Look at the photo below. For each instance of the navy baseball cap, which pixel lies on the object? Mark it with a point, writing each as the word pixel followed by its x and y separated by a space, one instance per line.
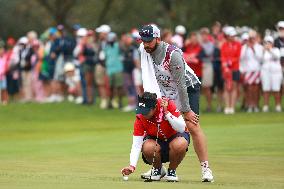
pixel 145 104
pixel 149 32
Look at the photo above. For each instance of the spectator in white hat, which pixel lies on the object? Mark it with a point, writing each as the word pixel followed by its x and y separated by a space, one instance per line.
pixel 85 54
pixel 251 55
pixel 271 74
pixel 114 69
pixel 178 38
pixel 26 67
pixel 72 80
pixel 100 71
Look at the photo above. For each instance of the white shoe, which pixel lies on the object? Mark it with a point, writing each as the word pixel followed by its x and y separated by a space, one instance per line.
pixel 79 100
pixel 51 98
pixel 103 104
pixel 278 108
pixel 256 110
pixel 70 98
pixel 249 110
pixel 129 108
pixel 171 176
pixel 227 111
pixel 147 174
pixel 59 98
pixel 114 104
pixel 206 175
pixel 265 108
pixel 231 110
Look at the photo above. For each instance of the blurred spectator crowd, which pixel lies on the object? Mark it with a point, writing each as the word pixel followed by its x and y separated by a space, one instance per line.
pixel 88 66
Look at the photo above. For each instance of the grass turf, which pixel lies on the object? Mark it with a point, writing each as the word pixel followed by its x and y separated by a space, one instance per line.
pixel 71 146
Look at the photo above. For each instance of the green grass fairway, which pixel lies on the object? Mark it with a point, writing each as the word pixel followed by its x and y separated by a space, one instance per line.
pixel 70 146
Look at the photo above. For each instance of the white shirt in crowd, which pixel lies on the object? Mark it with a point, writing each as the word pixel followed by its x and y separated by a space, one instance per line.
pixel 250 60
pixel 271 71
pixel 177 41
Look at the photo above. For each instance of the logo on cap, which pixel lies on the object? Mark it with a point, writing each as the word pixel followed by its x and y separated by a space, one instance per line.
pixel 142 104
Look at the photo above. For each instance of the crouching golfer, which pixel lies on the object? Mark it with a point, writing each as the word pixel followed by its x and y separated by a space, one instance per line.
pixel 159 130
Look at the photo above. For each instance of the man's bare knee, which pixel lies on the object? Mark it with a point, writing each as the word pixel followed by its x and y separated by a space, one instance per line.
pixel 194 130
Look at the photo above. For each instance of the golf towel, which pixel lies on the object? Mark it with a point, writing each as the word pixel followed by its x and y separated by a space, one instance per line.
pixel 148 73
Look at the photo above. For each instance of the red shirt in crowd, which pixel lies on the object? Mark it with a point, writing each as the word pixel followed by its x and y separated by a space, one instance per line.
pixel 149 127
pixel 190 55
pixel 230 55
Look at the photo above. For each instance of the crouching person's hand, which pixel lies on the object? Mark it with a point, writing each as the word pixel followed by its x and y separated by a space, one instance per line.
pixel 127 170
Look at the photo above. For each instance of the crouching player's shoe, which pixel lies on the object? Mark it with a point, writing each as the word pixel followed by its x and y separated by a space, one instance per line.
pixel 207 175
pixel 171 176
pixel 156 174
pixel 148 173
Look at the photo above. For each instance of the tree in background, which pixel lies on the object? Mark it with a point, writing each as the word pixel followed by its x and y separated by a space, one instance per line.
pixel 18 17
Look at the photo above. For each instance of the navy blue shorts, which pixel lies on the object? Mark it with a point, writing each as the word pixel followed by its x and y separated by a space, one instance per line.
pixel 165 146
pixel 193 97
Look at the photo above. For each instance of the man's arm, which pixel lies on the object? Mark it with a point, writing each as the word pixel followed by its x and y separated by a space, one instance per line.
pixel 177 69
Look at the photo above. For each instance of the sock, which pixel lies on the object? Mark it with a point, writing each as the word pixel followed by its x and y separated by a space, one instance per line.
pixel 204 165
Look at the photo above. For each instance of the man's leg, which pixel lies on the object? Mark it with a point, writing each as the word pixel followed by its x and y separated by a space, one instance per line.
pixel 199 141
pixel 198 137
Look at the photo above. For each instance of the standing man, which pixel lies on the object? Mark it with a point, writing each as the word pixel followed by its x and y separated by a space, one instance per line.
pixel 165 73
pixel 160 133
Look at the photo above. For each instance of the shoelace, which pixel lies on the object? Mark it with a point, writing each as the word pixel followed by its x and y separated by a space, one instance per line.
pixel 171 172
pixel 156 172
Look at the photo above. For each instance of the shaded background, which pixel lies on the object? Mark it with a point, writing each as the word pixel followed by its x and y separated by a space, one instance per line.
pixel 19 16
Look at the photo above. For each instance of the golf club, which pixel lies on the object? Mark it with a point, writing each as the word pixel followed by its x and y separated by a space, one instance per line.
pixel 160 118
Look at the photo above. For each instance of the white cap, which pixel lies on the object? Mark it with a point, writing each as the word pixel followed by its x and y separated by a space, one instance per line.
pixel 69 67
pixel 156 31
pixel 111 37
pixel 280 24
pixel 135 34
pixel 268 38
pixel 103 29
pixel 23 40
pixel 245 36
pixel 149 32
pixel 180 29
pixel 82 32
pixel 230 31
